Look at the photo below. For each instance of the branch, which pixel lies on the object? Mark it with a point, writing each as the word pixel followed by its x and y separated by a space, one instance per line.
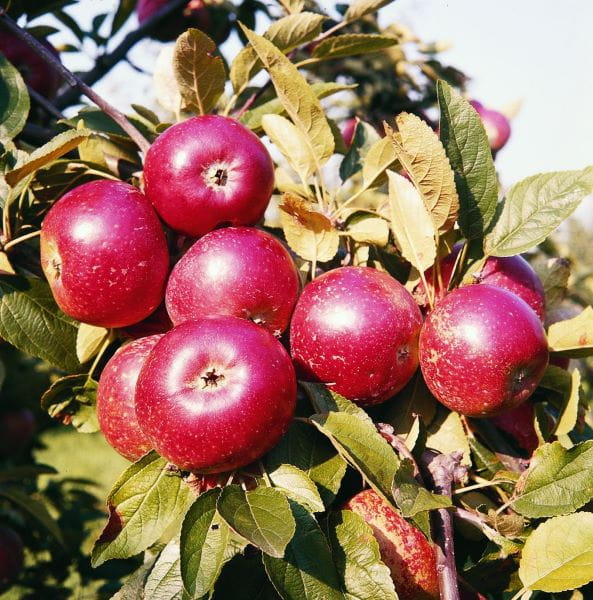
pixel 53 62
pixel 44 103
pixel 106 62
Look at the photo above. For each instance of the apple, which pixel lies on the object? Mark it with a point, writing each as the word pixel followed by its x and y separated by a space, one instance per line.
pixel 512 273
pixel 348 129
pixel 16 430
pixel 356 330
pixel 206 172
pixel 518 423
pixel 104 254
pixel 497 126
pixel 32 67
pixel 11 556
pixel 212 20
pixel 237 271
pixel 482 350
pixel 404 549
pixel 215 394
pixel 115 399
pixel 157 322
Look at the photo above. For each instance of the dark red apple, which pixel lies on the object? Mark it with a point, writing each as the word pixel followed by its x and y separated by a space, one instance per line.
pixel 11 556
pixel 212 20
pixel 237 271
pixel 16 430
pixel 32 67
pixel 115 399
pixel 206 172
pixel 348 129
pixel 356 330
pixel 157 322
pixel 482 350
pixel 216 394
pixel 104 254
pixel 404 549
pixel 518 423
pixel 512 273
pixel 497 126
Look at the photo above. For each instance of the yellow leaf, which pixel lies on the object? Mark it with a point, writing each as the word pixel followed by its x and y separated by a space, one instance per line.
pixel 89 340
pixel 573 337
pixel 368 229
pixel 380 156
pixel 568 417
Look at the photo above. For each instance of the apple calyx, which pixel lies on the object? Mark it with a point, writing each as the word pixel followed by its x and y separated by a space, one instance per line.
pixel 212 378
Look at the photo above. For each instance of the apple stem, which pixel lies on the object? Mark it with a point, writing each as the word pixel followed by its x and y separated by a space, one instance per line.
pixel 444 469
pixel 396 442
pixel 73 80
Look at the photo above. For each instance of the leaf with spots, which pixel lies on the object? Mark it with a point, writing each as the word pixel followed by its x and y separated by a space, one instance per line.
pixel 573 337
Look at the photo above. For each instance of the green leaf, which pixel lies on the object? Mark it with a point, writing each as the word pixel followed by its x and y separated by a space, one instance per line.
pixel 34 508
pixel 297 485
pixel 296 96
pixel 164 581
pixel 14 101
pixel 573 337
pixel 325 400
pixel 360 444
pixel 446 434
pixel 352 43
pixel 305 448
pixel 360 8
pixel 89 340
pixel 534 207
pixel 58 146
pixel 558 555
pixel 31 321
pixel 466 143
pixel 262 516
pixel 146 500
pixel 200 73
pixel 356 554
pixel 307 571
pixel 365 136
pixel 558 481
pixel 124 10
pixel 254 583
pixel 133 588
pixel 411 223
pixel 72 400
pixel 204 536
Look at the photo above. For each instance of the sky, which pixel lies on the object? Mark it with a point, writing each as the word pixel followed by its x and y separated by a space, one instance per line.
pixel 536 53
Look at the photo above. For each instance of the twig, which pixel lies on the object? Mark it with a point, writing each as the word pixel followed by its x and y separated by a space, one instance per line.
pixel 23 238
pixel 444 469
pixel 106 62
pixel 396 442
pixel 44 103
pixel 47 56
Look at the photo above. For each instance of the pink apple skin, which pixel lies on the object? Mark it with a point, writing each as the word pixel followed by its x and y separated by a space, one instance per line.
pixel 104 254
pixel 356 330
pixel 115 399
pixel 206 172
pixel 16 430
pixel 512 273
pixel 497 126
pixel 518 423
pixel 348 129
pixel 482 351
pixel 236 271
pixel 404 549
pixel 216 394
pixel 32 67
pixel 11 556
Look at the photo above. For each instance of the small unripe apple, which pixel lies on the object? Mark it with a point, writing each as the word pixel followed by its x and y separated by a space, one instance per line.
pixel 11 556
pixel 32 67
pixel 518 423
pixel 482 350
pixel 497 126
pixel 356 330
pixel 104 254
pixel 236 271
pixel 115 399
pixel 215 394
pixel 512 273
pixel 404 549
pixel 206 172
pixel 16 430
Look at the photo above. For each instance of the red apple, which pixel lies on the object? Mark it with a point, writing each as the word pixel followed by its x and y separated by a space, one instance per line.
pixel 104 254
pixel 157 322
pixel 215 394
pixel 236 271
pixel 348 129
pixel 11 556
pixel 212 20
pixel 512 273
pixel 16 431
pixel 482 350
pixel 404 549
pixel 518 423
pixel 206 172
pixel 115 399
pixel 497 126
pixel 32 67
pixel 356 330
